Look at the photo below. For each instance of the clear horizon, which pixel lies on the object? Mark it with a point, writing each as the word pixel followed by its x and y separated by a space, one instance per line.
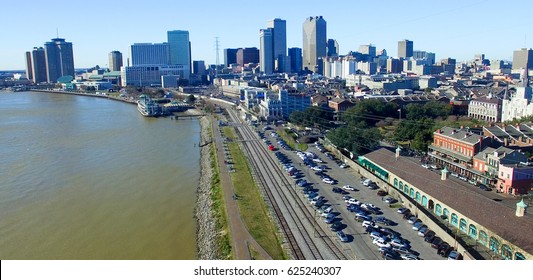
pixel 450 28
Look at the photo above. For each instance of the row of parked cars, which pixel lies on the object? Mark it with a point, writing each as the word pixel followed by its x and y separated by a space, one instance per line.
pixel 443 248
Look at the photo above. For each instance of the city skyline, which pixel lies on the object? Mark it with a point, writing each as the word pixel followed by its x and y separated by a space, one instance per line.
pixel 448 29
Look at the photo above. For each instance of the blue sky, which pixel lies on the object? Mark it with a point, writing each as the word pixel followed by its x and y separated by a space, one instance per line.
pixel 450 28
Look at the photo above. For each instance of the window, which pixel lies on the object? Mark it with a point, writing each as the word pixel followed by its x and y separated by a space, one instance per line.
pixel 519 256
pixel 412 193
pixel 454 220
pixel 483 238
pixel 472 231
pixel 507 253
pixel 395 183
pixel 438 210
pixel 401 186
pixel 425 201
pixel 417 197
pixel 494 245
pixel 406 189
pixel 446 213
pixel 462 225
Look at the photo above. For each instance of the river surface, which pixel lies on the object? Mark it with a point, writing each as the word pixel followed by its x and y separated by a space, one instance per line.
pixel 90 178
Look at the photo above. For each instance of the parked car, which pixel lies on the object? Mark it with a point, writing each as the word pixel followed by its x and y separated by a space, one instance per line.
pixel 409 257
pixel 436 242
pixel 402 250
pixel 454 255
pixel 413 219
pixel 391 256
pixel 403 210
pixel 425 166
pixel 390 200
pixel 422 231
pixel 383 220
pixel 407 216
pixel 381 244
pixel 336 226
pixel 417 226
pixel 362 218
pixel 382 193
pixel 352 201
pixel 485 188
pixel 348 188
pixel 342 236
pixel 336 190
pixel 367 224
pixel 397 242
pixel 444 249
pixel 429 236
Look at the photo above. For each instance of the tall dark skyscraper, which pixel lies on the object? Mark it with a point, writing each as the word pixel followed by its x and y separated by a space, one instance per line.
pixel 38 65
pixel 115 61
pixel 247 55
pixel 279 43
pixel 273 46
pixel 29 73
pixel 314 41
pixel 198 67
pixel 332 48
pixel 59 59
pixel 230 56
pixel 405 48
pixel 295 58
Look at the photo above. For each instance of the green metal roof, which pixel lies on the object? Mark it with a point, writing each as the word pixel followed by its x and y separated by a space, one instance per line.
pixel 112 74
pixel 65 79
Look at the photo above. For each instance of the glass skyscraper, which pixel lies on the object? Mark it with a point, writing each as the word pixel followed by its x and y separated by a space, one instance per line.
pixel 179 47
pixel 59 59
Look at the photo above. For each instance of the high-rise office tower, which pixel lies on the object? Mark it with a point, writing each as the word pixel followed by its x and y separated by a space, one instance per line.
pixel 279 43
pixel 247 55
pixel 266 50
pixel 179 48
pixel 29 73
pixel 523 59
pixel 148 53
pixel 38 65
pixel 295 58
pixel 59 59
pixel 314 41
pixel 230 56
pixel 405 48
pixel 115 61
pixel 198 67
pixel 332 47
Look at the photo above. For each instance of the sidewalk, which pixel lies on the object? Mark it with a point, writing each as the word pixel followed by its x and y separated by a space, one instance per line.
pixel 240 236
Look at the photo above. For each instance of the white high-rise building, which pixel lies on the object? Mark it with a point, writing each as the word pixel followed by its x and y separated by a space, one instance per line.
pixel 266 50
pixel 314 41
pixel 148 53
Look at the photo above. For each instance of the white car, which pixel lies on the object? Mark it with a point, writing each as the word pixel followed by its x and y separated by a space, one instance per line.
pixel 366 224
pixel 352 201
pixel 346 198
pixel 409 257
pixel 343 165
pixel 348 188
pixel 425 166
pixel 327 181
pixel 380 243
pixel 318 160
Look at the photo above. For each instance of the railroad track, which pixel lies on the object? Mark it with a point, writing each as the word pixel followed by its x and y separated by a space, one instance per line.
pixel 278 191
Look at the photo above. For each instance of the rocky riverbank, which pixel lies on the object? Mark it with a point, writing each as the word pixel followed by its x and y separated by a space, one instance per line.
pixel 206 224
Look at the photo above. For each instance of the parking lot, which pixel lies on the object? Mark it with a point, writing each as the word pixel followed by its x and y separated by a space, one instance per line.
pixel 325 177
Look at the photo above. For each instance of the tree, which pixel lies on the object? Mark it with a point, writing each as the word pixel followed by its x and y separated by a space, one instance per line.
pixel 356 140
pixel 191 99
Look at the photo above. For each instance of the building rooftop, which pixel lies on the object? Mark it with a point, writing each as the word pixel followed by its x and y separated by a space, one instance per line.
pixel 491 214
pixel 460 134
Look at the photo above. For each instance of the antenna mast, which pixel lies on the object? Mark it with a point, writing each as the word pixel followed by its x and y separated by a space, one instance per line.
pixel 217 47
pixel 57 32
